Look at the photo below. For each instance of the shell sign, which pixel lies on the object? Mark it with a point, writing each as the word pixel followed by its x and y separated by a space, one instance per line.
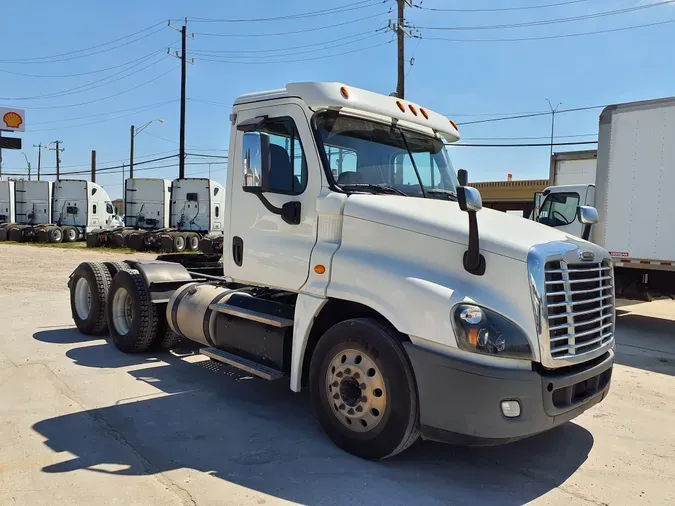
pixel 12 120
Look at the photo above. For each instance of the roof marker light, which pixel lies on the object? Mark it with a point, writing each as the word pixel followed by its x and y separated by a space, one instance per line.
pixel 424 113
pixel 400 105
pixel 345 92
pixel 412 109
pixel 454 125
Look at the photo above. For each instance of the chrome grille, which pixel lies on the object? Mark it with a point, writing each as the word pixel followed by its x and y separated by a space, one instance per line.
pixel 580 307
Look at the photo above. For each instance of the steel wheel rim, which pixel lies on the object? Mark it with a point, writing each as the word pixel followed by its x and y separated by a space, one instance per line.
pixel 122 311
pixel 194 242
pixel 180 242
pixel 355 390
pixel 58 235
pixel 71 234
pixel 82 298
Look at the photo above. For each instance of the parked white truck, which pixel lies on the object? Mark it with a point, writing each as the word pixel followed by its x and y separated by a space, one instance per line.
pixel 63 211
pixel 374 278
pixel 630 192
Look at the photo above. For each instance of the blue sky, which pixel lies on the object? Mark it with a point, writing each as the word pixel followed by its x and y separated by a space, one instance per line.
pixel 467 80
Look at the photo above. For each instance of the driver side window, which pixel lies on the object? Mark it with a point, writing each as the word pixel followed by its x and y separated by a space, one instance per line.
pixel 559 209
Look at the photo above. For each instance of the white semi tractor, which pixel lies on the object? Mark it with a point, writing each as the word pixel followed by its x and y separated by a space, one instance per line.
pixel 629 195
pixel 359 265
pixel 63 211
pixel 172 216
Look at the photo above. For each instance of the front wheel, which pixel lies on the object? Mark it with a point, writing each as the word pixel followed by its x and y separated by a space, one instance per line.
pixel 363 389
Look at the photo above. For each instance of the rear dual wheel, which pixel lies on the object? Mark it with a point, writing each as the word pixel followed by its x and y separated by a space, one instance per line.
pixel 89 285
pixel 363 389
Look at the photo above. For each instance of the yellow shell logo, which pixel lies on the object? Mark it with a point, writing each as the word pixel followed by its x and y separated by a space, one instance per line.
pixel 12 120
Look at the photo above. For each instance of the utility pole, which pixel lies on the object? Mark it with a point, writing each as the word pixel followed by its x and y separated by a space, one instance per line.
pixel 131 154
pixel 183 80
pixel 57 150
pixel 39 146
pixel 553 111
pixel 93 165
pixel 27 163
pixel 399 27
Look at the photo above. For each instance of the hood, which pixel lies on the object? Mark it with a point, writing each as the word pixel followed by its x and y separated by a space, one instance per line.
pixel 499 233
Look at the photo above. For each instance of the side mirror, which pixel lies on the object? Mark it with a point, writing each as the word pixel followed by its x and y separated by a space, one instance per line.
pixel 470 202
pixel 469 199
pixel 588 215
pixel 256 161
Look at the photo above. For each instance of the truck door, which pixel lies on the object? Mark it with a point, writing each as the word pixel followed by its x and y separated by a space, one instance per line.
pixel 264 248
pixel 560 210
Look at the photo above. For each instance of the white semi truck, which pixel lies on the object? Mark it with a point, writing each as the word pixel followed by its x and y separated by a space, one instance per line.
pixel 630 196
pixel 63 211
pixel 172 216
pixel 357 264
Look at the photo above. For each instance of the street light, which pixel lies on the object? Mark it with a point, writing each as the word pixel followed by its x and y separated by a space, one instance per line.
pixel 134 133
pixel 27 163
pixel 553 111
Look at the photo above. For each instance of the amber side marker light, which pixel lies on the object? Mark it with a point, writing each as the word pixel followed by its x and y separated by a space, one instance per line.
pixel 345 92
pixel 319 269
pixel 400 105
pixel 454 125
pixel 412 109
pixel 424 113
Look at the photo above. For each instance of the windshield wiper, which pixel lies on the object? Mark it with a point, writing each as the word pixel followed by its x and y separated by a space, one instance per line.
pixel 438 191
pixel 381 188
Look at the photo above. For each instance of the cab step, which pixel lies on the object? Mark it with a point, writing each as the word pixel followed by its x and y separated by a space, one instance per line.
pixel 264 317
pixel 262 371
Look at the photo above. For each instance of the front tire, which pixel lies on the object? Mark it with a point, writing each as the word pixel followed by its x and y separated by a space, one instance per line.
pixel 89 285
pixel 363 389
pixel 132 318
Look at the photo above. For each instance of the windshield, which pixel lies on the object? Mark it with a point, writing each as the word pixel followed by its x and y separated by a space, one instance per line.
pixel 364 155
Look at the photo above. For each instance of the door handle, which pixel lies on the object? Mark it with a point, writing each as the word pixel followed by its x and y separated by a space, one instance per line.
pixel 238 250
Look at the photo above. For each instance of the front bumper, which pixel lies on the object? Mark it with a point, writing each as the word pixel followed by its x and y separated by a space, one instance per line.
pixel 460 400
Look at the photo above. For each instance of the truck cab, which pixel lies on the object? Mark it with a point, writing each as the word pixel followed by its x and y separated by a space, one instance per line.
pixel 83 205
pixel 560 207
pixel 359 265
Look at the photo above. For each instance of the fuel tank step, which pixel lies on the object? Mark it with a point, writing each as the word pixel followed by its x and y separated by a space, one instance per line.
pixel 251 314
pixel 249 366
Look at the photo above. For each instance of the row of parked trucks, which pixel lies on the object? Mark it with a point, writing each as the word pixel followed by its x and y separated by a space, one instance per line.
pixel 171 216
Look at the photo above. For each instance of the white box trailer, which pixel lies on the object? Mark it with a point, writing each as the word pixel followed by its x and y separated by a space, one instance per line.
pixel 631 192
pixel 573 167
pixel 33 202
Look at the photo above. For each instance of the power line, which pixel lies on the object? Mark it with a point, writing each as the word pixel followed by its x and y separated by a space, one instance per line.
pixel 305 30
pixel 551 21
pixel 138 109
pixel 49 59
pixel 258 57
pixel 500 9
pixel 325 56
pixel 106 98
pixel 533 115
pixel 563 36
pixel 526 138
pixel 92 85
pixel 362 4
pixel 532 145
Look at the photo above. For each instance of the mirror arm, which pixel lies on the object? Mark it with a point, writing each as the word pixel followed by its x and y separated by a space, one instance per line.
pixel 289 212
pixel 474 262
pixel 587 232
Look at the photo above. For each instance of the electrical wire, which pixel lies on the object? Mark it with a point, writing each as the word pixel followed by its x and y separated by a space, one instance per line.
pixel 99 170
pixel 562 36
pixel 362 4
pixel 104 113
pixel 500 9
pixel 92 85
pixel 550 21
pixel 526 138
pixel 305 30
pixel 533 115
pixel 305 51
pixel 108 97
pixel 98 121
pixel 343 40
pixel 44 59
pixel 322 57
pixel 79 74
pixel 532 145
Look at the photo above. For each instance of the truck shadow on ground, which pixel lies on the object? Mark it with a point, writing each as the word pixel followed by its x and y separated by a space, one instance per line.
pixel 645 342
pixel 262 436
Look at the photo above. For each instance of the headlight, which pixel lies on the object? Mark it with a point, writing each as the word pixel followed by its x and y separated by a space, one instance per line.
pixel 483 331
